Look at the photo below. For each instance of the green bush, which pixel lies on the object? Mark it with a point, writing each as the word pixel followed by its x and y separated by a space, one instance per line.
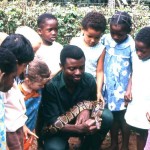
pixel 18 13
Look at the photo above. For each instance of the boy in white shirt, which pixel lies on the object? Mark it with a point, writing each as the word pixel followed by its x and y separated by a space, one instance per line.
pixel 50 49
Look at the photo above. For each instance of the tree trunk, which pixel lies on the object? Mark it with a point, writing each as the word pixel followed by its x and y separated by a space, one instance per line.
pixel 111 4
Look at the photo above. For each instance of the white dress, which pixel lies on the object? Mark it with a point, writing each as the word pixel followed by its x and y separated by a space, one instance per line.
pixel 92 54
pixel 140 104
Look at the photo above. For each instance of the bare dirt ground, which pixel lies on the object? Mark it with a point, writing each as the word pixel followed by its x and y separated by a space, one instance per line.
pixel 132 142
pixel 74 142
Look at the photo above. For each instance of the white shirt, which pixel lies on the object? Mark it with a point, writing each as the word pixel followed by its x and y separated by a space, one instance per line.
pixel 140 105
pixel 92 54
pixel 51 56
pixel 14 109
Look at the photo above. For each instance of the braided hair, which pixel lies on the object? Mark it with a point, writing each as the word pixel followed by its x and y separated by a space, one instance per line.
pixel 122 18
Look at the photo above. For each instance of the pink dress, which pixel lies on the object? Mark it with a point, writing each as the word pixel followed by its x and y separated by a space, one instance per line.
pixel 147 146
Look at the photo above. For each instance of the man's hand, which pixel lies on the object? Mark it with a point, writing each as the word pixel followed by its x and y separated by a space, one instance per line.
pixel 87 127
pixel 82 117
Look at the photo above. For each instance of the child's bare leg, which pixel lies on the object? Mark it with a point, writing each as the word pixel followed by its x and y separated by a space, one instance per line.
pixel 141 141
pixel 125 129
pixel 114 133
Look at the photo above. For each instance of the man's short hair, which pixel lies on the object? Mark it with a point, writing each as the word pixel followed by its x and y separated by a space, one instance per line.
pixel 71 51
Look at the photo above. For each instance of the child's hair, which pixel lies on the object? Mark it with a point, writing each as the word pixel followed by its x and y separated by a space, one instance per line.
pixel 144 36
pixel 20 47
pixel 37 71
pixel 95 21
pixel 33 37
pixel 122 18
pixel 42 19
pixel 70 51
pixel 8 62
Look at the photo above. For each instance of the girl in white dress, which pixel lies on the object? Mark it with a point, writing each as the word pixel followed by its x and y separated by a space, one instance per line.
pixel 138 90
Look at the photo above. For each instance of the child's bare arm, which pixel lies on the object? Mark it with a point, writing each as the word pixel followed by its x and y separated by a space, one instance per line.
pixel 27 132
pixel 100 76
pixel 128 93
pixel 148 116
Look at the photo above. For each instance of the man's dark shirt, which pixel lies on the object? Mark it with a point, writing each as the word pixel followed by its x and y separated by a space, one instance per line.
pixel 56 98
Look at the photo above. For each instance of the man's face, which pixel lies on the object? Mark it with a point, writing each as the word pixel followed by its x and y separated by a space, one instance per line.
pixel 73 70
pixel 142 50
pixel 49 31
pixel 7 81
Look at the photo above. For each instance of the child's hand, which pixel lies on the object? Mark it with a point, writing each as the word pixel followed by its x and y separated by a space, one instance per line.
pixel 100 98
pixel 27 132
pixel 127 97
pixel 148 116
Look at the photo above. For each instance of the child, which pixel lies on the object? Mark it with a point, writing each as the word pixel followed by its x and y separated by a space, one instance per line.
pixel 15 117
pixel 33 37
pixel 8 69
pixel 93 26
pixel 140 104
pixel 36 76
pixel 49 50
pixel 117 69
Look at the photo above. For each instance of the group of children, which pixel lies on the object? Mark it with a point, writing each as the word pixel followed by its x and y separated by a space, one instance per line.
pixel 117 62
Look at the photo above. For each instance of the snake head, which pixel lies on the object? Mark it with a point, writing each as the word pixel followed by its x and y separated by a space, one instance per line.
pixel 97 112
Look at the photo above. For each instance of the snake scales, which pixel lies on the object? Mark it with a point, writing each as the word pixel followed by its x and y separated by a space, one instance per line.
pixel 97 110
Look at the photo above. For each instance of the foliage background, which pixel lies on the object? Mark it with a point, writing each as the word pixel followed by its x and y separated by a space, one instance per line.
pixel 17 13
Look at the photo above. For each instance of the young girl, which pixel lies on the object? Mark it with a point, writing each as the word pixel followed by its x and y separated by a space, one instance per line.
pixel 36 76
pixel 50 49
pixel 117 69
pixel 8 70
pixel 139 108
pixel 13 102
pixel 93 26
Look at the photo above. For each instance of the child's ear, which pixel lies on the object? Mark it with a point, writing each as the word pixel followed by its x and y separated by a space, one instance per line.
pixel 60 65
pixel 82 31
pixel 27 80
pixel 39 31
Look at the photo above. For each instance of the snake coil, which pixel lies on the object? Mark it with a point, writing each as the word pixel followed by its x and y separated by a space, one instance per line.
pixel 97 110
